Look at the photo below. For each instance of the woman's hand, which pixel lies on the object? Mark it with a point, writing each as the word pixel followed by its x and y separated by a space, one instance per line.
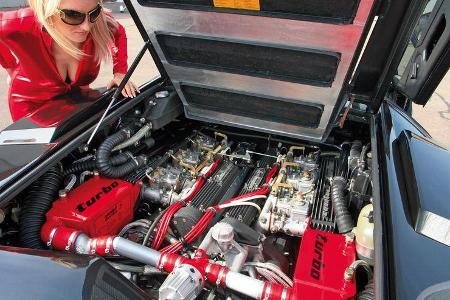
pixel 130 88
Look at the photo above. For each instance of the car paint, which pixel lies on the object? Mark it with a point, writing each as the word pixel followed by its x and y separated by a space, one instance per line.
pixel 38 274
pixel 413 262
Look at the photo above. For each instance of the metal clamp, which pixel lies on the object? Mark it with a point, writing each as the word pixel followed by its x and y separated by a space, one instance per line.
pixel 109 242
pixel 93 246
pixel 162 262
pixel 50 238
pixel 267 291
pixel 71 240
pixel 219 277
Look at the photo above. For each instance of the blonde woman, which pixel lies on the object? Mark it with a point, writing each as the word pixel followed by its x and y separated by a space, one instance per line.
pixel 55 46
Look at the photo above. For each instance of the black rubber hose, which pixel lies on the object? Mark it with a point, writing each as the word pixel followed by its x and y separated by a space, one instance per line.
pixel 368 293
pixel 343 218
pixel 90 165
pixel 79 167
pixel 103 157
pixel 37 202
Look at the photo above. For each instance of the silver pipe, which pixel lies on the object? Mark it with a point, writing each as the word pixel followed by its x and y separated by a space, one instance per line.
pixel 82 244
pixel 135 138
pixel 244 284
pixel 135 251
pixel 238 282
pixel 84 174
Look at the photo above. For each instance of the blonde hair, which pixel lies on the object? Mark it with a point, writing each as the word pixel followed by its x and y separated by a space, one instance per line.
pixel 101 30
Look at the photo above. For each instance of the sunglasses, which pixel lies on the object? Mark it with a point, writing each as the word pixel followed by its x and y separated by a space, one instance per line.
pixel 73 17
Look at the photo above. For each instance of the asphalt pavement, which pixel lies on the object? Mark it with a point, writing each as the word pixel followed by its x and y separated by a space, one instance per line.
pixel 434 117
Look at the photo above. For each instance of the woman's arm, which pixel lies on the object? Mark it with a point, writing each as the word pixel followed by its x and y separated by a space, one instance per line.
pixel 120 65
pixel 8 22
pixel 12 22
pixel 7 59
pixel 119 51
pixel 21 20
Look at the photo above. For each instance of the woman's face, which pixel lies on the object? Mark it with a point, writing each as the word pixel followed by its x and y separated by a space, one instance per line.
pixel 75 33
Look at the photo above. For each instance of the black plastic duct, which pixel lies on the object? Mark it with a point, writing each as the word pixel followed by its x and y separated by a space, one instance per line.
pixel 344 220
pixel 37 202
pixel 90 165
pixel 103 157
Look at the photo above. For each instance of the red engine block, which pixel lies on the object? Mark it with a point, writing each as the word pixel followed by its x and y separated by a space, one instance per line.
pixel 321 264
pixel 100 206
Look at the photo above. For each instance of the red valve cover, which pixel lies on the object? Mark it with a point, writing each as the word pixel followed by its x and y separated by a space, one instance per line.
pixel 100 206
pixel 322 261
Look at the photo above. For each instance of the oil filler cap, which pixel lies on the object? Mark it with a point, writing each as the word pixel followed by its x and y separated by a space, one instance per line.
pixel 222 232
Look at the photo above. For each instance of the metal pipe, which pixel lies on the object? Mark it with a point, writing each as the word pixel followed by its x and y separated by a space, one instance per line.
pixel 246 285
pixel 64 238
pixel 135 138
pixel 136 251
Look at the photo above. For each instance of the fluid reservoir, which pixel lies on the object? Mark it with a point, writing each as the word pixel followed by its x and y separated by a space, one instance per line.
pixel 364 234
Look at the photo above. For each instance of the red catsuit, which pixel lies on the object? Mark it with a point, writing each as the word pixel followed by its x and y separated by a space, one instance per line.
pixel 25 52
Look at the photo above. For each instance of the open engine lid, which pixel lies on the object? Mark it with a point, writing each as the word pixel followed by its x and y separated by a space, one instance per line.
pixel 275 66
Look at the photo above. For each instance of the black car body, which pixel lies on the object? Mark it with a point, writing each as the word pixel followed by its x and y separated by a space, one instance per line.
pixel 315 74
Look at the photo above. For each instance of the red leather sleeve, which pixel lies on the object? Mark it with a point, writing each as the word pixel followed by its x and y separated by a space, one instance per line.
pixel 119 51
pixel 12 21
pixel 21 20
pixel 7 59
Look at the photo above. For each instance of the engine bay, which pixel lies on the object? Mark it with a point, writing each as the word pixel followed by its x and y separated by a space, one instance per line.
pixel 189 210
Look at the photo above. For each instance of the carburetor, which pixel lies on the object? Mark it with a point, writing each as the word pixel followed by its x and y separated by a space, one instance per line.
pixel 166 184
pixel 289 204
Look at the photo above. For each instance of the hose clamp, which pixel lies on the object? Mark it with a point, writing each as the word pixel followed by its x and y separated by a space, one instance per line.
pixel 51 236
pixel 207 270
pixel 267 292
pixel 71 240
pixel 135 161
pixel 162 262
pixel 284 294
pixel 93 246
pixel 220 276
pixel 203 176
pixel 109 242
